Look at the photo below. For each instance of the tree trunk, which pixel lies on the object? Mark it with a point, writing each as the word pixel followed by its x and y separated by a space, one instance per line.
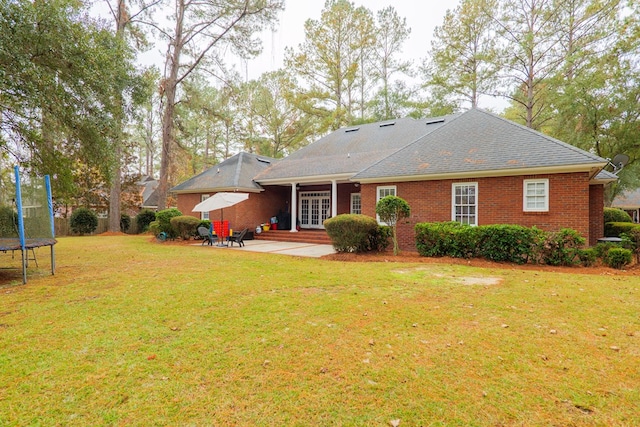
pixel 169 88
pixel 116 175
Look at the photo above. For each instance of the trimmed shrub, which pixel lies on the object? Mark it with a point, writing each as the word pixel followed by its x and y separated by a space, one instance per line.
pixel 631 240
pixel 379 238
pixel 562 247
pixel 83 221
pixel 351 232
pixel 602 248
pixel 508 243
pixel 185 226
pixel 588 257
pixel 144 218
pixel 618 257
pixel 502 243
pixel 433 239
pixel 616 215
pixel 164 221
pixel 616 229
pixel 125 222
pixel 154 228
pixel 462 242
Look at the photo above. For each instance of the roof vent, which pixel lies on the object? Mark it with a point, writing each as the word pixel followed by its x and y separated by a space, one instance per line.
pixel 433 122
pixel 263 160
pixel 384 125
pixel 351 130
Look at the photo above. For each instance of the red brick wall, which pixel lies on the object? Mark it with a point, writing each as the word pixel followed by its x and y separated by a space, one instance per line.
pixel 596 213
pixel 257 209
pixel 500 201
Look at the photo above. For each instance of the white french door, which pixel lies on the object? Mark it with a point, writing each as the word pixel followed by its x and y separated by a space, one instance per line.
pixel 315 207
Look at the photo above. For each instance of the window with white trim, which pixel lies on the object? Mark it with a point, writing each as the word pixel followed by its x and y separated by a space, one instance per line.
pixel 386 191
pixel 464 203
pixel 204 215
pixel 356 203
pixel 536 195
pixel 382 192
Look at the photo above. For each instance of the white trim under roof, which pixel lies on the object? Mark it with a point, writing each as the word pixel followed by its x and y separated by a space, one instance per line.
pixel 315 179
pixel 218 190
pixel 589 167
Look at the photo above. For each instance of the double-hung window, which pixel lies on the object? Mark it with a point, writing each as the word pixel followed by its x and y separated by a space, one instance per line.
pixel 356 203
pixel 204 215
pixel 384 191
pixel 536 195
pixel 464 204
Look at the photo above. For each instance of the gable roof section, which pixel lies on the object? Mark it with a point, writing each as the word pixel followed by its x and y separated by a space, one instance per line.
pixel 478 143
pixel 235 173
pixel 349 150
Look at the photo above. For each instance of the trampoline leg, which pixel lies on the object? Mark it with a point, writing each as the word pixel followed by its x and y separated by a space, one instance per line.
pixel 24 266
pixel 33 252
pixel 53 261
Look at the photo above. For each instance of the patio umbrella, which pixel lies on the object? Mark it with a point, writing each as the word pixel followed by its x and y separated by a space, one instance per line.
pixel 220 201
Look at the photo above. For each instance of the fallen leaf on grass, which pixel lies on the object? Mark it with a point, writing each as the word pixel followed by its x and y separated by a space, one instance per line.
pixel 394 423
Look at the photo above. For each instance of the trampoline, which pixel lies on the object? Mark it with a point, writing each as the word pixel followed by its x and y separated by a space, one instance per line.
pixel 26 220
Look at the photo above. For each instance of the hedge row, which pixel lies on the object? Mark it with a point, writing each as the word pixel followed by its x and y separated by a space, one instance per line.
pixel 503 243
pixel 617 229
pixel 513 243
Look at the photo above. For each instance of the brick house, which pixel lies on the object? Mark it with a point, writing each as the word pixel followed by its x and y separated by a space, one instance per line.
pixel 474 167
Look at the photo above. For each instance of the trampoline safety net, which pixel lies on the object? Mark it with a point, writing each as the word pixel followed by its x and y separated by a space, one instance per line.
pixel 26 217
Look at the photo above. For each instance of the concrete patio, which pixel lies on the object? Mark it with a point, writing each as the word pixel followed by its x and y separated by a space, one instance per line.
pixel 311 250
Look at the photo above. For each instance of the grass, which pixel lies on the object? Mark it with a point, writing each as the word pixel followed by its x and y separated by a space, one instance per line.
pixel 134 333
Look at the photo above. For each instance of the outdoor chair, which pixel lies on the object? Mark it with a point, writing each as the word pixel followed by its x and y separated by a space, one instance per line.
pixel 206 235
pixel 239 238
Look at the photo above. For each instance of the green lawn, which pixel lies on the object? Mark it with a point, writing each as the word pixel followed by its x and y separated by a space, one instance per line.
pixel 134 333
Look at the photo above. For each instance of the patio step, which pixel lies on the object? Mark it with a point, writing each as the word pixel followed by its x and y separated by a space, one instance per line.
pixel 303 236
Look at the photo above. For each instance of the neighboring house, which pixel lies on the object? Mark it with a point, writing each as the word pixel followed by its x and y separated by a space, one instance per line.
pixel 474 167
pixel 629 201
pixel 149 192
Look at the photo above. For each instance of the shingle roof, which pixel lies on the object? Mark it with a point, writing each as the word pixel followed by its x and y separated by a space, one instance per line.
pixel 349 150
pixel 149 192
pixel 478 141
pixel 235 173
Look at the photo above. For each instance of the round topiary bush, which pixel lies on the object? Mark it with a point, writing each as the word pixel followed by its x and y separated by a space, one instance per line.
pixel 185 226
pixel 144 218
pixel 83 221
pixel 164 221
pixel 351 232
pixel 616 215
